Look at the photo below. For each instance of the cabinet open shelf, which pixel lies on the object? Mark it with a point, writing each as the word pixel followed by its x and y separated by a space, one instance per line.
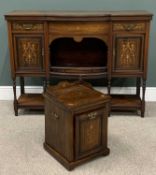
pixel 79 71
pixel 125 102
pixel 33 101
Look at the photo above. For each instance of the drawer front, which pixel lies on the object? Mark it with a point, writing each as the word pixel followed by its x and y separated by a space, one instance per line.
pixel 90 132
pixel 132 26
pixel 27 26
pixel 78 28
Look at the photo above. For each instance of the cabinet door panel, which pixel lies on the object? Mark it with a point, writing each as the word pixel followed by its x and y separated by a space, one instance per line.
pixel 89 132
pixel 28 53
pixel 128 54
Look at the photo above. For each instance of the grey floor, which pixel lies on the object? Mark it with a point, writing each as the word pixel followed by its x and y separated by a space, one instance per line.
pixel 131 139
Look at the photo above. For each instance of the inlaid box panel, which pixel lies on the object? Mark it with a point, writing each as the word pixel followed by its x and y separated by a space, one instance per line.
pixel 89 132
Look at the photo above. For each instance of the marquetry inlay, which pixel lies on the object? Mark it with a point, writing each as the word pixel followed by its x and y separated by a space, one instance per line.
pixel 27 27
pixel 29 52
pixel 129 26
pixel 90 134
pixel 128 52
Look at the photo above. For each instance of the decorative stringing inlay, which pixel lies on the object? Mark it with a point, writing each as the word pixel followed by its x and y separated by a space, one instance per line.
pixel 27 26
pixel 129 26
pixel 128 52
pixel 29 51
pixel 90 134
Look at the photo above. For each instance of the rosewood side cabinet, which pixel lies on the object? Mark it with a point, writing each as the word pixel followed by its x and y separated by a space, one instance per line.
pixel 80 44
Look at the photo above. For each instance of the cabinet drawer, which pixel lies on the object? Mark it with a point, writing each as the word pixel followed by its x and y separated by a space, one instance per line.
pixel 133 26
pixel 27 26
pixel 79 28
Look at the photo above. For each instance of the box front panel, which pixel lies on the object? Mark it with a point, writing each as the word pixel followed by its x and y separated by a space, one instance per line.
pixel 89 132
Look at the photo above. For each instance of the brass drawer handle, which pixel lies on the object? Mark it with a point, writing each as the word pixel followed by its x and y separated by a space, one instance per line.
pixel 92 115
pixel 28 26
pixel 54 115
pixel 129 27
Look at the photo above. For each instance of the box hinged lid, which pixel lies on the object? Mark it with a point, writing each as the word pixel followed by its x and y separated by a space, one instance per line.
pixel 73 95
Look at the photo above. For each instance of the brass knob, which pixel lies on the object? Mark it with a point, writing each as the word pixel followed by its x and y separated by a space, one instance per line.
pixel 129 27
pixel 92 115
pixel 27 26
pixel 54 115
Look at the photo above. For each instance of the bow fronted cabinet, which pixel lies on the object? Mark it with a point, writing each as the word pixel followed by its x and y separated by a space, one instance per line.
pixel 80 44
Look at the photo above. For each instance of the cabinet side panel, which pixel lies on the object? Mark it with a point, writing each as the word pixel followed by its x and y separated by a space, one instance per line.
pixel 10 44
pixel 58 129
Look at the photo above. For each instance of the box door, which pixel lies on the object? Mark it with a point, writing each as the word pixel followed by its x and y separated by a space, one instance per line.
pixel 91 132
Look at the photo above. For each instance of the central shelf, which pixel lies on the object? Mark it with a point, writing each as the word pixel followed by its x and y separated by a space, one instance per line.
pixel 78 71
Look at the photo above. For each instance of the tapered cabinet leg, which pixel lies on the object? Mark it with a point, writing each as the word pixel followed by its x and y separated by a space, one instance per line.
pixel 22 85
pixel 109 89
pixel 47 82
pixel 138 85
pixel 143 97
pixel 15 98
pixel 109 86
pixel 45 85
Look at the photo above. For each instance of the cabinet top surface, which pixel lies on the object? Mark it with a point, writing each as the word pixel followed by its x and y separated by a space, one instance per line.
pixel 78 13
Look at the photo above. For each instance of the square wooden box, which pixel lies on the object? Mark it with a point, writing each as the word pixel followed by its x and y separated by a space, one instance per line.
pixel 75 123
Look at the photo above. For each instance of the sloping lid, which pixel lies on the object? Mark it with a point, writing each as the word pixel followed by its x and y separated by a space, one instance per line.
pixel 74 95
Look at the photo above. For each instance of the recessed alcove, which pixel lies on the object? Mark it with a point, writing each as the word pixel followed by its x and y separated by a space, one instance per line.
pixel 78 55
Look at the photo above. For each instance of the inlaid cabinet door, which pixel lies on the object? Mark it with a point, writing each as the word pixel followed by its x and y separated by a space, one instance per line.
pixel 90 132
pixel 128 53
pixel 28 53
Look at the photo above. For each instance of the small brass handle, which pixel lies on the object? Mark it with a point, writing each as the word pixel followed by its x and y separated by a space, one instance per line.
pixel 27 26
pixel 54 115
pixel 129 27
pixel 92 115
